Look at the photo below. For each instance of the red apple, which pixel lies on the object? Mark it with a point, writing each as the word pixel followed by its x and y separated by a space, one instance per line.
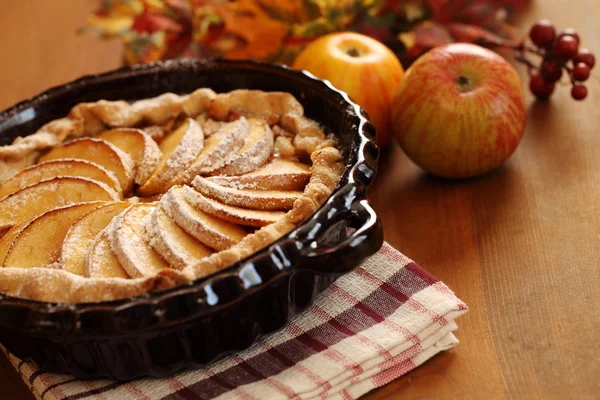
pixel 460 111
pixel 362 67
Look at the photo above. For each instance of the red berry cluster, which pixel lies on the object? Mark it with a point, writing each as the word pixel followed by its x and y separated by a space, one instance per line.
pixel 560 53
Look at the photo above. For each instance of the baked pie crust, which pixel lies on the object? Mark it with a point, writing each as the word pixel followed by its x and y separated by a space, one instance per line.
pixel 118 199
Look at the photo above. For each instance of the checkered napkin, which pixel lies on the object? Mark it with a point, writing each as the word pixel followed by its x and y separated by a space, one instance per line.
pixel 368 328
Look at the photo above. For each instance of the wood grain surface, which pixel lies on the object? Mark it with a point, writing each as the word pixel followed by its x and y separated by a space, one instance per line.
pixel 521 246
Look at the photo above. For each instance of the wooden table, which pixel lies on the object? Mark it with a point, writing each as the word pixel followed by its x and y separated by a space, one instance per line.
pixel 521 246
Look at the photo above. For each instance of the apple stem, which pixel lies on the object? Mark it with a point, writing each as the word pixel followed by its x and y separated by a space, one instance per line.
pixel 353 52
pixel 463 83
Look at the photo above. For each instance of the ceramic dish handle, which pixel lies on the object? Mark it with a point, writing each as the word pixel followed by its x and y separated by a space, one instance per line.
pixel 337 245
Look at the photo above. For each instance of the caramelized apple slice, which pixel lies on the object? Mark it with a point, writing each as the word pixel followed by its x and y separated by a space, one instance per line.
pixel 83 232
pixel 49 194
pixel 127 241
pixel 141 148
pixel 100 152
pixel 179 149
pixel 211 231
pixel 101 261
pixel 279 174
pixel 219 148
pixel 253 199
pixel 257 148
pixel 170 241
pixel 236 215
pixel 54 168
pixel 40 242
pixel 7 240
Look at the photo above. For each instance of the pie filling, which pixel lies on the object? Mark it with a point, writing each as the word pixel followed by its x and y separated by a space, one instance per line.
pixel 119 199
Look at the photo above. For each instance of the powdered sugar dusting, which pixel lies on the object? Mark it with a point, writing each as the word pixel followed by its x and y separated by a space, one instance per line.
pixel 242 216
pixel 171 242
pixel 150 160
pixel 185 151
pixel 252 199
pixel 257 148
pixel 190 147
pixel 218 150
pixel 132 251
pixel 101 261
pixel 211 231
pixel 279 174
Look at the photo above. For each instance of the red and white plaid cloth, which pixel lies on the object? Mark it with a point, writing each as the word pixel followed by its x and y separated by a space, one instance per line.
pixel 368 328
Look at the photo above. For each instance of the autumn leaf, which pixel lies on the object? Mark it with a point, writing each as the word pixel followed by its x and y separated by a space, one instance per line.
pixel 275 30
pixel 472 21
pixel 425 36
pixel 248 31
pixel 151 23
pixel 472 34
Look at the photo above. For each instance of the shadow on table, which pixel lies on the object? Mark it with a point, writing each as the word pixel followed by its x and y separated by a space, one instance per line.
pixel 431 219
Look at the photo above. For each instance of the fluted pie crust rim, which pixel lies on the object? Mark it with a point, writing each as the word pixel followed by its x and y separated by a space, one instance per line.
pixel 89 119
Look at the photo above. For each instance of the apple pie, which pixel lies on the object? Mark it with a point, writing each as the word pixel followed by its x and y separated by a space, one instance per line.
pixel 118 199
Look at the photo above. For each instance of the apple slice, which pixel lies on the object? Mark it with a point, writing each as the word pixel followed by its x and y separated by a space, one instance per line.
pixel 170 241
pixel 101 261
pixel 236 215
pixel 279 174
pixel 100 152
pixel 219 148
pixel 253 199
pixel 52 193
pixel 141 148
pixel 211 231
pixel 180 149
pixel 54 168
pixel 83 232
pixel 40 242
pixel 127 241
pixel 257 148
pixel 7 240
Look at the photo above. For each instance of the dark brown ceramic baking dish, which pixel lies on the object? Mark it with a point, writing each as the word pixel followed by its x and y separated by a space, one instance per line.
pixel 190 325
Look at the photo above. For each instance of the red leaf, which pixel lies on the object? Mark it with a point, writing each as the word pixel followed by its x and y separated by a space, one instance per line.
pixel 512 5
pixel 436 7
pixel 376 32
pixel 423 37
pixel 181 8
pixel 445 11
pixel 476 12
pixel 150 23
pixel 469 14
pixel 177 45
pixel 480 13
pixel 472 34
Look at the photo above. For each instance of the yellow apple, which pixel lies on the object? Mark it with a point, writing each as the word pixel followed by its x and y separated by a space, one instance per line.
pixel 460 111
pixel 362 67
